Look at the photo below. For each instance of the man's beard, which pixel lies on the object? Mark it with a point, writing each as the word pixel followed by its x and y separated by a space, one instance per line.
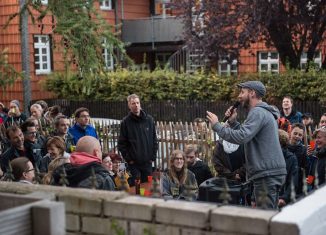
pixel 245 103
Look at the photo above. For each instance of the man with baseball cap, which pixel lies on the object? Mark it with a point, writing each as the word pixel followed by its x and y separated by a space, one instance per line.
pixel 265 164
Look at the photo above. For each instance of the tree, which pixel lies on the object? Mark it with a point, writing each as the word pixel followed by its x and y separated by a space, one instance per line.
pixel 291 26
pixel 78 31
pixel 8 74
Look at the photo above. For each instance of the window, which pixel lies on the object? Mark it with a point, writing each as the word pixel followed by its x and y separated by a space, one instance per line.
pixel 226 68
pixel 317 60
pixel 268 62
pixel 163 7
pixel 42 54
pixel 106 4
pixel 195 60
pixel 107 56
pixel 43 2
pixel 162 58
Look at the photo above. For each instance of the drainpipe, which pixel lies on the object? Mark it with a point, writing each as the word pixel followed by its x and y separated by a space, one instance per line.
pixel 25 57
pixel 153 33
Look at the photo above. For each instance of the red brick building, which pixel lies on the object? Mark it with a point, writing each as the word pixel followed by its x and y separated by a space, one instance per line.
pixel 148 28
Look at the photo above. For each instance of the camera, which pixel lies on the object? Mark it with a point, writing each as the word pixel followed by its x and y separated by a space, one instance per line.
pixel 122 166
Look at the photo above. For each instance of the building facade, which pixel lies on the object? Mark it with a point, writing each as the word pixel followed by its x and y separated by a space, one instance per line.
pixel 153 36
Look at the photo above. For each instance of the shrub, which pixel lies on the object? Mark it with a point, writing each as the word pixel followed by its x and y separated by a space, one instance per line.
pixel 163 84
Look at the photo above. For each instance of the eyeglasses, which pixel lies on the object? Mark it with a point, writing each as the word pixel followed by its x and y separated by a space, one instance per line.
pixel 179 158
pixel 30 132
pixel 30 170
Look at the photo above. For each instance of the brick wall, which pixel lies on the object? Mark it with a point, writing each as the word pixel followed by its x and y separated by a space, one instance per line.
pixel 94 212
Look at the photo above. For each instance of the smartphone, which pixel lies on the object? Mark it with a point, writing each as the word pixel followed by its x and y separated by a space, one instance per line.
pixel 122 166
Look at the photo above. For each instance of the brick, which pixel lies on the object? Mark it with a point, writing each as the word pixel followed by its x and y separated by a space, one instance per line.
pixel 72 222
pixel 188 231
pixel 192 214
pixel 303 217
pixel 130 208
pixel 140 228
pixel 96 225
pixel 241 220
pixel 74 204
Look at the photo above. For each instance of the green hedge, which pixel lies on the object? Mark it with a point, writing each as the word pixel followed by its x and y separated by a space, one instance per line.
pixel 167 85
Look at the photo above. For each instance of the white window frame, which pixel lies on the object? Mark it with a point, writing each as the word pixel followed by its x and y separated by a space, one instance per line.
pixel 228 71
pixel 269 62
pixel 165 6
pixel 195 60
pixel 44 50
pixel 317 60
pixel 107 56
pixel 106 4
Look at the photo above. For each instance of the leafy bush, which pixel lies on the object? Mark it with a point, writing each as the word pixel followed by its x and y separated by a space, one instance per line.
pixel 163 84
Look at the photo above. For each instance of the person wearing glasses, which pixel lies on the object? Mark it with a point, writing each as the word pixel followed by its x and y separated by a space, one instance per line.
pixel 33 146
pixel 23 170
pixel 178 182
pixel 82 126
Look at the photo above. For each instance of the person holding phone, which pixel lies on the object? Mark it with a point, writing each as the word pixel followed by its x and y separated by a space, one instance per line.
pixel 119 170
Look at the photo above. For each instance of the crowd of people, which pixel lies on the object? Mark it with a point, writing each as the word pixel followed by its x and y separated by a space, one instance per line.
pixel 277 151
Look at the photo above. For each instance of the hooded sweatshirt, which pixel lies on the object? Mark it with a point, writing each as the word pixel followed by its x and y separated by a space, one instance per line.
pixel 259 134
pixel 82 158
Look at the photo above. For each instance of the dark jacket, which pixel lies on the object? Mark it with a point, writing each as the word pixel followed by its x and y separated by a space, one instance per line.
pixel 9 155
pixel 222 163
pixel 201 171
pixel 34 152
pixel 292 175
pixel 300 151
pixel 294 117
pixel 77 132
pixel 83 177
pixel 137 141
pixel 15 120
pixel 319 165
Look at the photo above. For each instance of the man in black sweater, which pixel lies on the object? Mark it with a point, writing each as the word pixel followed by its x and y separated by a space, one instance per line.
pixel 197 166
pixel 137 141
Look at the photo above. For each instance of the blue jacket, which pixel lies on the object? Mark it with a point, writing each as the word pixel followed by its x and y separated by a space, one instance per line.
pixel 77 132
pixel 294 117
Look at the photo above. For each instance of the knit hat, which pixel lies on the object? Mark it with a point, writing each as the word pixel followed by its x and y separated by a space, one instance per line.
pixel 254 85
pixel 16 102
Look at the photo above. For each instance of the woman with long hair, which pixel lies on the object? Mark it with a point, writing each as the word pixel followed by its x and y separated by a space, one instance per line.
pixel 178 182
pixel 47 179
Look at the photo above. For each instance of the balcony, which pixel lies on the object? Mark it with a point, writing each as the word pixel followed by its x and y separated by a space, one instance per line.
pixel 152 30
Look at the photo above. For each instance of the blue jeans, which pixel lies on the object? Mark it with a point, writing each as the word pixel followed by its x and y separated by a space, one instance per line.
pixel 270 186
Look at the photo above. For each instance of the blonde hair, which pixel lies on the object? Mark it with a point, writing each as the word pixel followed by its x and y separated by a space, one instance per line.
pixel 54 164
pixel 172 171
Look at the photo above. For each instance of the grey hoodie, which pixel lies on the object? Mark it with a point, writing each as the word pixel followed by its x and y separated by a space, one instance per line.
pixel 259 134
